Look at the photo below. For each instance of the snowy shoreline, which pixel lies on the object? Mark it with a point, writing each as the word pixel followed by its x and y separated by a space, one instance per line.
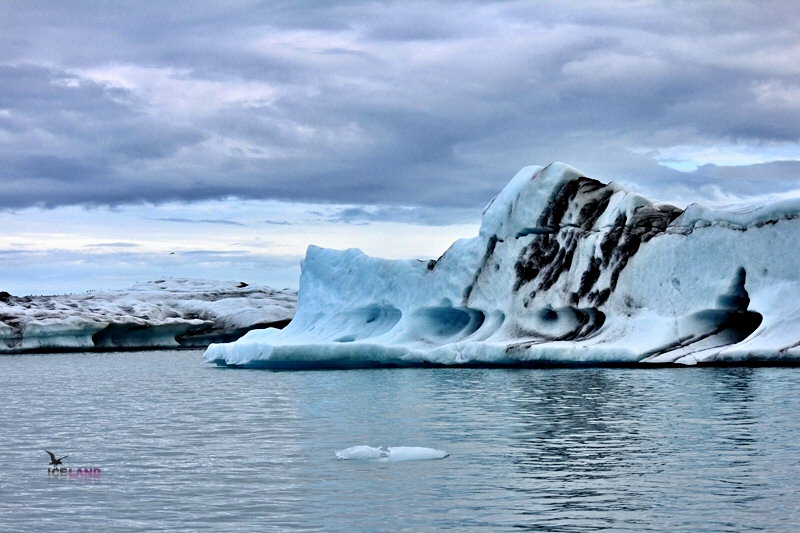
pixel 163 314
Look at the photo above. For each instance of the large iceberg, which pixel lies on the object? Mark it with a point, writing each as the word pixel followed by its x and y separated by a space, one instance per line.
pixel 565 270
pixel 167 313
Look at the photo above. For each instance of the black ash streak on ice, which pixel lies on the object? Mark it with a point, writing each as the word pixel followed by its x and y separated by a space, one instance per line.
pixel 550 253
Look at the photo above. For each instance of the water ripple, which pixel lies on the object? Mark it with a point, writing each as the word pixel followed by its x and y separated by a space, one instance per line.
pixel 191 447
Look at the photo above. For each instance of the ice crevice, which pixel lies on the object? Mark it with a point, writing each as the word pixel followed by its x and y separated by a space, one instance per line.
pixel 565 270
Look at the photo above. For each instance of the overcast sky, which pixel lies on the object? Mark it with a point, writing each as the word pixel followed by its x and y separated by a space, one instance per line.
pixel 219 139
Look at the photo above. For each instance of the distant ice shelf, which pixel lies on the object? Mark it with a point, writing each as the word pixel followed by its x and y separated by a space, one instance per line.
pixel 168 313
pixel 565 270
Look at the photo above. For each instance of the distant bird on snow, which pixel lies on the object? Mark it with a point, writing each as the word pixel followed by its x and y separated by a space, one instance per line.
pixel 53 460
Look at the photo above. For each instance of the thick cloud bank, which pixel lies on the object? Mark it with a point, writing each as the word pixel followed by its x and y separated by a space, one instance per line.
pixel 161 314
pixel 565 270
pixel 114 103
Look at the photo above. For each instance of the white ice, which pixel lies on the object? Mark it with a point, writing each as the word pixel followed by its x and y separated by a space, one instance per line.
pixel 165 313
pixel 392 453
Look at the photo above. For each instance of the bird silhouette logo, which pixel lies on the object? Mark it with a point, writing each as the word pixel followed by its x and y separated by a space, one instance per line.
pixel 53 460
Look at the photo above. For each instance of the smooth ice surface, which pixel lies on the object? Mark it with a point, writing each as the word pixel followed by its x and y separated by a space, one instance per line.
pixel 160 314
pixel 415 453
pixel 565 270
pixel 392 453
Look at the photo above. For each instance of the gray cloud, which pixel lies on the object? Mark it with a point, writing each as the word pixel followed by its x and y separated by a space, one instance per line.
pixel 201 221
pixel 424 216
pixel 113 245
pixel 422 104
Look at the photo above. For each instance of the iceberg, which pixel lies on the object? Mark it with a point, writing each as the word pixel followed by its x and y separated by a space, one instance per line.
pixel 168 313
pixel 565 270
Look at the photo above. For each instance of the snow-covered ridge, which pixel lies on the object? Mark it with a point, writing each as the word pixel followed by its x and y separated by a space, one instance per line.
pixel 565 270
pixel 166 313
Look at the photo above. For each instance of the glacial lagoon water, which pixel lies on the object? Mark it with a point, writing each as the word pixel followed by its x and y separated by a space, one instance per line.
pixel 187 446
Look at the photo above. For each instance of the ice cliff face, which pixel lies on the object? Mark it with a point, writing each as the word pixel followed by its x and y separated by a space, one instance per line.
pixel 565 270
pixel 162 314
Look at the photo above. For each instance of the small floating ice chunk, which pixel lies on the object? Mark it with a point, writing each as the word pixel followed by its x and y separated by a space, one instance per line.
pixel 415 453
pixel 360 453
pixel 396 453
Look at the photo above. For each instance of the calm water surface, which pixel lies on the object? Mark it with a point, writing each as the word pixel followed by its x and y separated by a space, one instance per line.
pixel 193 447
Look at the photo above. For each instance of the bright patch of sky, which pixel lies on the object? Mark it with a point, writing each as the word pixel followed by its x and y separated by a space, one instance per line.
pixel 688 158
pixel 73 249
